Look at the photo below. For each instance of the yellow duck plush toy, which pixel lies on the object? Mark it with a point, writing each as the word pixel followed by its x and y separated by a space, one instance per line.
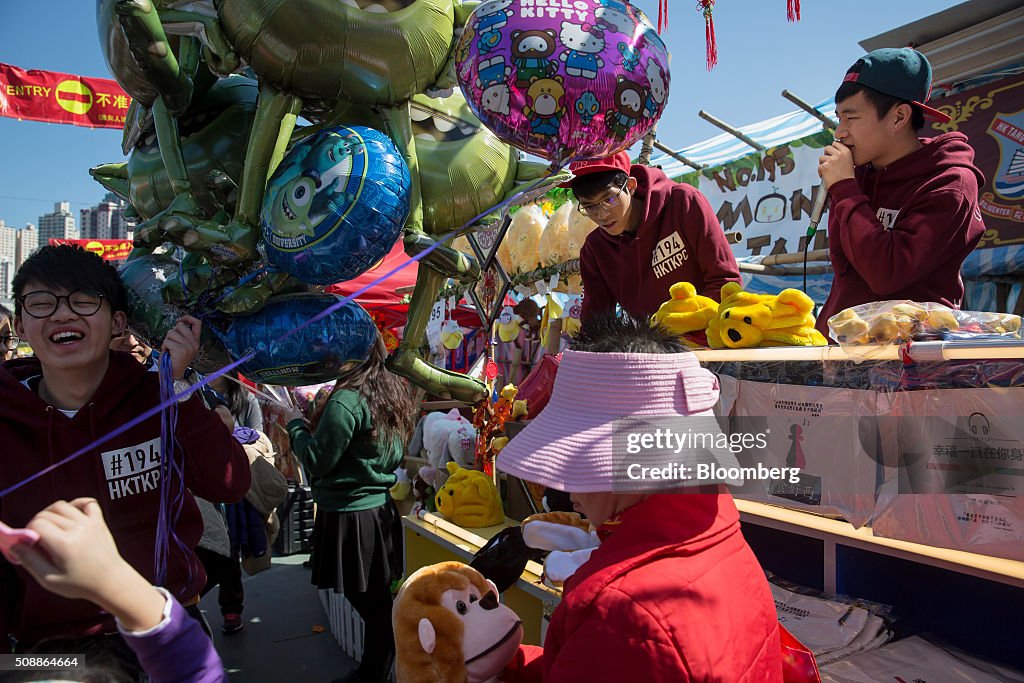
pixel 747 320
pixel 686 312
pixel 469 499
pixel 451 335
pixel 509 325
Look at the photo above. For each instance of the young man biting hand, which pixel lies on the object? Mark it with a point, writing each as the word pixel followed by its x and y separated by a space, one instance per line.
pixel 904 210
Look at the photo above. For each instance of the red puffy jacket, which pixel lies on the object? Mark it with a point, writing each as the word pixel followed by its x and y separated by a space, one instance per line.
pixel 673 594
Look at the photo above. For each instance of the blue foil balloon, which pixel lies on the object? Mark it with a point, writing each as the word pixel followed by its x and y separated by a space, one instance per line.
pixel 336 205
pixel 320 352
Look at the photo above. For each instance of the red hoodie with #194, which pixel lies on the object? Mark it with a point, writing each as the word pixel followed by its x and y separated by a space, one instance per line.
pixel 678 239
pixel 903 232
pixel 122 474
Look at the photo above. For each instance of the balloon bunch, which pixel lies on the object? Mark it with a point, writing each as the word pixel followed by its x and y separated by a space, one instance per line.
pixel 264 207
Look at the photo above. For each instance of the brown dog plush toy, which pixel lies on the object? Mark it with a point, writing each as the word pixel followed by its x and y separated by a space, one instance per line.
pixel 450 627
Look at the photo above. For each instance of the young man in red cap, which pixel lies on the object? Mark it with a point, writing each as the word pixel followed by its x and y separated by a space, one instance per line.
pixel 653 233
pixel 904 210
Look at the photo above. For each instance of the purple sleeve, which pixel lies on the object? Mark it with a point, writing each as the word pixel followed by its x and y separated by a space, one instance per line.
pixel 178 651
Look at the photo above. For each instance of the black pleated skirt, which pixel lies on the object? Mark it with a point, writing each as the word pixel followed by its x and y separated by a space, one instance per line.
pixel 355 550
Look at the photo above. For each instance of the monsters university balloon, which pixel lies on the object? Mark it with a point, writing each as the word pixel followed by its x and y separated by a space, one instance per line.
pixel 336 205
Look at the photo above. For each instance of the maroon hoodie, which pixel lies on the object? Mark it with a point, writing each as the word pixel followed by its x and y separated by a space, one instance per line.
pixel 678 239
pixel 903 232
pixel 121 474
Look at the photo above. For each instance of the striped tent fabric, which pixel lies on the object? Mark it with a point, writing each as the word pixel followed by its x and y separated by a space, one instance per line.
pixel 724 148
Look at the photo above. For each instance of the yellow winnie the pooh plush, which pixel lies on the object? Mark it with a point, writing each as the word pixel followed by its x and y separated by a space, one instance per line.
pixel 469 499
pixel 686 312
pixel 746 320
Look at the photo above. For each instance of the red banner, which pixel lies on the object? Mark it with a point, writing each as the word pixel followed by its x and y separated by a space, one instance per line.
pixel 110 250
pixel 61 98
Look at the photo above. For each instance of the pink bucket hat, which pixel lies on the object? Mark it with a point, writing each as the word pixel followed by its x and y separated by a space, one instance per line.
pixel 570 445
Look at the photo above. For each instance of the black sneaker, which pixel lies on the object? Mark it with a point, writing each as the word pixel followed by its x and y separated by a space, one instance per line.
pixel 232 624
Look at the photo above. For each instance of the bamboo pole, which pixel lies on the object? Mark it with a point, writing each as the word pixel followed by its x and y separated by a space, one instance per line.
pixel 779 259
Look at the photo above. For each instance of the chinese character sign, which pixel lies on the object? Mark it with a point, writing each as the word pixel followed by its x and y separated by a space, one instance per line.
pixel 110 250
pixel 61 98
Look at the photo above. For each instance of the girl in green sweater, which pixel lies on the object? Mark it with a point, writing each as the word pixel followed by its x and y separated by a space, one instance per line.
pixel 351 447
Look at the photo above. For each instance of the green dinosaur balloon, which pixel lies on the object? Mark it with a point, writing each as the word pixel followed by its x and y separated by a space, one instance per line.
pixel 363 51
pixel 214 132
pixel 156 301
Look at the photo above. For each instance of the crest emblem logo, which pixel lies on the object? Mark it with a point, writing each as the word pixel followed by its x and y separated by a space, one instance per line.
pixel 1008 130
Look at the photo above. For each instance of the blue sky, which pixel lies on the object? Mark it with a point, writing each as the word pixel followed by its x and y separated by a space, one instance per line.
pixel 760 53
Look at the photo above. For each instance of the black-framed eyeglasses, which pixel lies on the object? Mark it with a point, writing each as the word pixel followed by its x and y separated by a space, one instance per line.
pixel 606 204
pixel 10 341
pixel 43 304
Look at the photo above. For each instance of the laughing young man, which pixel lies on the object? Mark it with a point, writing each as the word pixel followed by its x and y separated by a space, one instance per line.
pixel 69 304
pixel 653 233
pixel 904 210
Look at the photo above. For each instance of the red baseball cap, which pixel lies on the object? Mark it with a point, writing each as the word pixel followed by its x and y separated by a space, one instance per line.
pixel 616 162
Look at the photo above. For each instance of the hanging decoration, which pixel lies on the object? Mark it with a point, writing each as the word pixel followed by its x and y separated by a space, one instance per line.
pixel 706 7
pixel 793 10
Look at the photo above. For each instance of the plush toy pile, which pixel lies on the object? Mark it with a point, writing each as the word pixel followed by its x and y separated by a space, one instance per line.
pixel 742 320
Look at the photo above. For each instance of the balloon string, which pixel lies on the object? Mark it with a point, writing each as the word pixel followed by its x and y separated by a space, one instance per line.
pixel 793 10
pixel 246 279
pixel 272 399
pixel 165 402
pixel 169 510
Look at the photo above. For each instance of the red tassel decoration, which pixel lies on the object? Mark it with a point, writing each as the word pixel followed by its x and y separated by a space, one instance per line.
pixel 662 15
pixel 705 6
pixel 793 10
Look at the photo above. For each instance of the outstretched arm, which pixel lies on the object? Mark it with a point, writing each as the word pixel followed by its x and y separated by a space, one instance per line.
pixel 76 557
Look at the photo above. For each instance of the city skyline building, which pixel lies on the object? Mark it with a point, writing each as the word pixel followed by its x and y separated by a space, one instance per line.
pixel 16 244
pixel 105 220
pixel 59 224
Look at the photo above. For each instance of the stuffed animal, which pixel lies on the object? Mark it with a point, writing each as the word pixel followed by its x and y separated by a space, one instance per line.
pixel 524 238
pixel 553 311
pixel 424 487
pixel 451 335
pixel 747 320
pixel 402 486
pixel 888 322
pixel 554 242
pixel 846 327
pixel 444 437
pixel 567 536
pixel 943 320
pixel 555 534
pixel 686 311
pixel 530 312
pixel 469 499
pixel 509 325
pixel 450 627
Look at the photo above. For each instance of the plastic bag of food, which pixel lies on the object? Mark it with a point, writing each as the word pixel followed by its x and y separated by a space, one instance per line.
pixel 895 322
